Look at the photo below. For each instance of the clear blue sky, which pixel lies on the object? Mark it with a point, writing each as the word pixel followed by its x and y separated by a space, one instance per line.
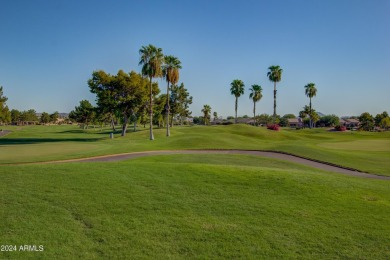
pixel 48 50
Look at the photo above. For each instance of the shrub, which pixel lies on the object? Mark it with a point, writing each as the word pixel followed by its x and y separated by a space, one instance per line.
pixel 340 128
pixel 329 120
pixel 274 127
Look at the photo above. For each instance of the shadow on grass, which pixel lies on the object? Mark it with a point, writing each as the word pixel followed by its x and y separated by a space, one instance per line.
pixel 90 131
pixel 108 132
pixel 9 141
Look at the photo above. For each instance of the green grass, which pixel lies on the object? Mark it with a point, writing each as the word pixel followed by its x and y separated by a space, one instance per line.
pixel 192 206
pixel 365 151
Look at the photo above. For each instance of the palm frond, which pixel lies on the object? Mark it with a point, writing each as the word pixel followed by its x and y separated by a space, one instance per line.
pixel 237 87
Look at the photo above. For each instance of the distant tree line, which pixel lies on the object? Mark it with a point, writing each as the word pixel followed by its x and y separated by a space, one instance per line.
pixel 368 122
pixel 274 74
pixel 134 98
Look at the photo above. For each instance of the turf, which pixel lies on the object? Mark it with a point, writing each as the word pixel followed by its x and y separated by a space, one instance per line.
pixel 369 152
pixel 192 206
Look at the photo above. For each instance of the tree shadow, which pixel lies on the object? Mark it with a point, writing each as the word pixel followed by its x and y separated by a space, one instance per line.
pixel 91 131
pixel 16 141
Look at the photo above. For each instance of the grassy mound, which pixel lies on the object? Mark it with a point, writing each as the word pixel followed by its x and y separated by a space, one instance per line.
pixel 187 206
pixel 361 150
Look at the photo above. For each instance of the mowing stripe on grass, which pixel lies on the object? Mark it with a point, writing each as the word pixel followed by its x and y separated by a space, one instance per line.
pixel 270 154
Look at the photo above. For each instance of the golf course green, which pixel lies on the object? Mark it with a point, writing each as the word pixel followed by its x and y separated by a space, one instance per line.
pixel 365 151
pixel 193 205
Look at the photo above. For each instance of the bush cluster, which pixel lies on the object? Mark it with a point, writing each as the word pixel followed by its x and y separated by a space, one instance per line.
pixel 340 128
pixel 274 127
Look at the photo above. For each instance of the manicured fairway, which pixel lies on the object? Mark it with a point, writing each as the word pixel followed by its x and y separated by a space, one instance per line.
pixel 369 152
pixel 192 206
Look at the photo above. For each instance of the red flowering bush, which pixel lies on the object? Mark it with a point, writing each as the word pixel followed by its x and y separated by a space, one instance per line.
pixel 274 127
pixel 340 128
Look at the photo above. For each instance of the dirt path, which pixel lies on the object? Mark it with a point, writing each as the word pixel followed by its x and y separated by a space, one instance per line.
pixel 269 154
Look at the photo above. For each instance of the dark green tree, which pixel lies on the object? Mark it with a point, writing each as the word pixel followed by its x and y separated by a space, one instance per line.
pixel 45 118
pixel 83 114
pixel 131 94
pixel 284 119
pixel 329 120
pixel 264 119
pixel 197 120
pixel 5 114
pixel 15 116
pixel 159 110
pixel 180 100
pixel 29 117
pixel 379 117
pixel 103 85
pixel 123 95
pixel 367 121
pixel 54 117
pixel 385 123
pixel 215 114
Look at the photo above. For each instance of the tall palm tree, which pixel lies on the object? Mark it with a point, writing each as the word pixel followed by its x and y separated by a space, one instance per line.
pixel 151 59
pixel 206 112
pixel 171 74
pixel 255 95
pixel 275 75
pixel 310 91
pixel 237 89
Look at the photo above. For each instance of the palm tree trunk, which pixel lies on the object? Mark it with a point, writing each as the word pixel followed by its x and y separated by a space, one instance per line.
pixel 112 123
pixel 254 113
pixel 151 111
pixel 311 123
pixel 235 121
pixel 274 102
pixel 124 126
pixel 168 132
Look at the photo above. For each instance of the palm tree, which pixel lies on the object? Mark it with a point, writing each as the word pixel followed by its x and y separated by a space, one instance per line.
pixel 275 75
pixel 237 89
pixel 206 112
pixel 310 91
pixel 255 95
pixel 171 74
pixel 151 60
pixel 215 114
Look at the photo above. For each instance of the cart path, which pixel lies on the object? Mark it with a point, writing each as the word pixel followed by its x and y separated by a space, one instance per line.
pixel 269 154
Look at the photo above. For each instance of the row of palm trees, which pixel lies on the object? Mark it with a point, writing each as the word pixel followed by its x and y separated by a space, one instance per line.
pixel 156 65
pixel 237 89
pixel 274 74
